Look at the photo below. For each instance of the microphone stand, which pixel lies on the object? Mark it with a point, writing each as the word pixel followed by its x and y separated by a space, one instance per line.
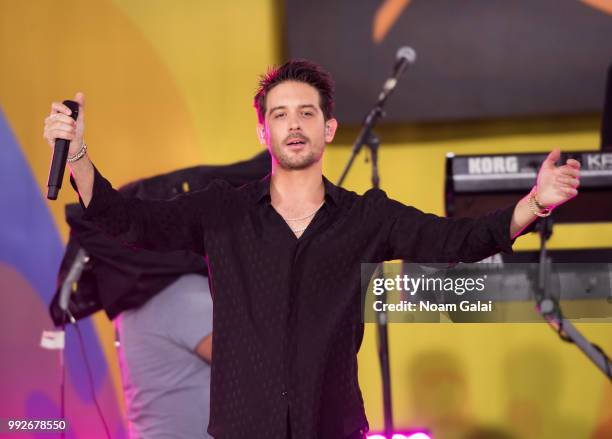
pixel 549 308
pixel 369 139
pixel 73 276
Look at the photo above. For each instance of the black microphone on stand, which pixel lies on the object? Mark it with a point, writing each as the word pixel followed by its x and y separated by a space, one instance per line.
pixel 404 56
pixel 60 154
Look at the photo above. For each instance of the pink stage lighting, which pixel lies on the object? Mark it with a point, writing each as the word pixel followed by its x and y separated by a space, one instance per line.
pixel 416 435
pixel 419 435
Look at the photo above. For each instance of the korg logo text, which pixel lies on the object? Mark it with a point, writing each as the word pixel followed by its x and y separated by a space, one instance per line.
pixel 493 165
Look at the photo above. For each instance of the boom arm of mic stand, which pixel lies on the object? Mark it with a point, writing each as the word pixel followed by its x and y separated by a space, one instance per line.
pixel 363 138
pixel 550 310
pixel 548 307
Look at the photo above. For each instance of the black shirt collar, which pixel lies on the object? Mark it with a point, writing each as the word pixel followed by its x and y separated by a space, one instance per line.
pixel 262 190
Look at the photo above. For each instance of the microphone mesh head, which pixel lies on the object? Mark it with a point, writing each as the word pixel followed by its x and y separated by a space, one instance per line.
pixel 406 53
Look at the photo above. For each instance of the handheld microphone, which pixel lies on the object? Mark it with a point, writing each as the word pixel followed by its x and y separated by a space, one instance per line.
pixel 404 56
pixel 60 154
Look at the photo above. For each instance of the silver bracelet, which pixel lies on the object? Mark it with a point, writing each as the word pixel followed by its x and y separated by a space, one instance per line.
pixel 79 154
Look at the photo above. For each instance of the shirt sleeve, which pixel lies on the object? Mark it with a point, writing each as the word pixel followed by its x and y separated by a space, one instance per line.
pixel 175 224
pixel 420 237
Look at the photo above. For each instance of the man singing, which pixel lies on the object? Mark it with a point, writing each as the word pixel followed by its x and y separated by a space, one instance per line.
pixel 284 257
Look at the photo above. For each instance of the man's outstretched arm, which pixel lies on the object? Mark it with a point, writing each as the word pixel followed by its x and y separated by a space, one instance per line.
pixel 154 225
pixel 418 237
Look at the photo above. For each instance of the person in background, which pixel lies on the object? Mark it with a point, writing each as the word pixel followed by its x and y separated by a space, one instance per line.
pixel 161 307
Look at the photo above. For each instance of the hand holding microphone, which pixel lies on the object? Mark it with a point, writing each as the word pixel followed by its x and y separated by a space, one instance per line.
pixel 65 135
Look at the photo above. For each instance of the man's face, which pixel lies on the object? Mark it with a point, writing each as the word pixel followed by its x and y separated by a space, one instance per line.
pixel 295 129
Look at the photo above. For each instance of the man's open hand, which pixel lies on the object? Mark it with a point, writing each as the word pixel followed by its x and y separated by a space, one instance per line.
pixel 557 184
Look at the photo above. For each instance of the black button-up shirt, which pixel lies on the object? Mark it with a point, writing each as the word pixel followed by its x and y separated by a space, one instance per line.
pixel 287 321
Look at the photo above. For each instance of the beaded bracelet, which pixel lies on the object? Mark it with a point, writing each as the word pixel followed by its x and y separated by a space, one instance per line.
pixel 536 208
pixel 78 155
